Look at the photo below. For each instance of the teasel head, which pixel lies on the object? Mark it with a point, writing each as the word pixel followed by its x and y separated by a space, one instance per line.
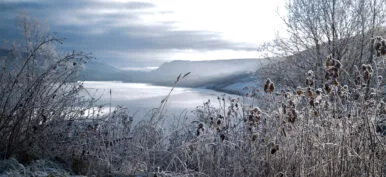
pixel 292 115
pixel 310 74
pixel 274 148
pixel 345 87
pixel 344 92
pixel 373 92
pixel 316 113
pixel 377 45
pixel 312 101
pixel 327 87
pixel 382 108
pixel 318 91
pixel 358 80
pixel 370 68
pixel 266 85
pixel 255 114
pixel 284 107
pixel 200 129
pixel 364 67
pixel 330 61
pixel 379 80
pixel 200 125
pixel 309 82
pixel 256 110
pixel 287 95
pixel 271 87
pixel 377 42
pixel 218 122
pixel 222 137
pixel 356 94
pixel 366 75
pixel 383 47
pixel 335 73
pixel 309 92
pixel 254 137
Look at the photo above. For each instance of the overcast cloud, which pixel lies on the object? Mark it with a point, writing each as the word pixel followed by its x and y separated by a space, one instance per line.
pixel 137 33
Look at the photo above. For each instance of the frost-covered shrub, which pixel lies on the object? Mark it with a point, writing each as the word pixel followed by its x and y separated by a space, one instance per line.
pixel 336 130
pixel 37 88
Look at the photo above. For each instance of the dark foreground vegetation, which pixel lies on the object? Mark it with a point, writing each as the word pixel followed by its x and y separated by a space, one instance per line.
pixel 332 123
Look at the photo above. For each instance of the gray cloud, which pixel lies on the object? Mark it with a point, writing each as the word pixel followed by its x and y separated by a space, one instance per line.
pixel 87 27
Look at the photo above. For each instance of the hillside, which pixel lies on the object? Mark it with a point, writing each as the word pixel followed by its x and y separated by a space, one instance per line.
pixel 224 75
pixel 205 73
pixel 214 74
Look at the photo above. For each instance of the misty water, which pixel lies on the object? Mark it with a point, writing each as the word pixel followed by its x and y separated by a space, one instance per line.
pixel 141 98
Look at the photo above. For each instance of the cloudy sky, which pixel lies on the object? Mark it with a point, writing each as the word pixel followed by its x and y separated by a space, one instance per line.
pixel 142 34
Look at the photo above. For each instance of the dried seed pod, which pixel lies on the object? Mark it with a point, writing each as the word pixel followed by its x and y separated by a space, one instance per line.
pixel 310 73
pixel 266 86
pixel 288 95
pixel 377 42
pixel 327 87
pixel 364 67
pixel 309 93
pixel 379 80
pixel 292 115
pixel 222 137
pixel 366 75
pixel 274 148
pixel 358 81
pixel 369 68
pixel 318 91
pixel 271 87
pixel 284 108
pixel 309 82
pixel 312 102
pixel 383 47
pixel 254 137
pixel 329 61
pixel 316 113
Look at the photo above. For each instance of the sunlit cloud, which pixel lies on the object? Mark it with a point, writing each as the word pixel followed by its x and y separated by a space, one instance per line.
pixel 126 33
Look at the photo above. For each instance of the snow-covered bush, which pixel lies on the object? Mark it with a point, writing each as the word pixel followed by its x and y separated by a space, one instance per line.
pixel 330 131
pixel 37 88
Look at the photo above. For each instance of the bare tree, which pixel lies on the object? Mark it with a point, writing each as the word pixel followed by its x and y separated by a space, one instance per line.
pixel 319 28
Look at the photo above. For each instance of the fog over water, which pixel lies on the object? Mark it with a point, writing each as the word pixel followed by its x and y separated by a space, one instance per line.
pixel 141 98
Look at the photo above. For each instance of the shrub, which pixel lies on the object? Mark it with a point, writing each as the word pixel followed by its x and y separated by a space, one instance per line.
pixel 37 88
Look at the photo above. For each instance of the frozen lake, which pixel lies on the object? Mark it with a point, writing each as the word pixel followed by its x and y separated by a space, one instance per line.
pixel 141 98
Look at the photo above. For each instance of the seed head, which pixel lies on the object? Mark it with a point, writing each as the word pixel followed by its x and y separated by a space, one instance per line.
pixel 310 73
pixel 378 45
pixel 318 91
pixel 366 75
pixel 379 79
pixel 266 85
pixel 274 148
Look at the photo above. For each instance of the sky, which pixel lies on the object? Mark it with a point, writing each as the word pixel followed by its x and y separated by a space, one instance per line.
pixel 143 34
